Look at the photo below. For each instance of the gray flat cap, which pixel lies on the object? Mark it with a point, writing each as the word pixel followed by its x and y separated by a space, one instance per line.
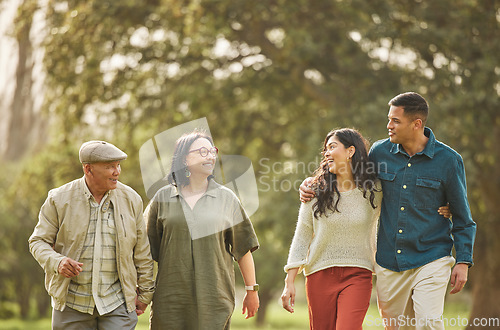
pixel 100 151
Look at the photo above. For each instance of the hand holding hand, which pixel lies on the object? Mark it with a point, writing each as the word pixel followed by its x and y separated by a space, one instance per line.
pixel 140 307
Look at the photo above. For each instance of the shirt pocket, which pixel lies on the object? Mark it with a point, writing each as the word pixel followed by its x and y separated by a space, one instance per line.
pixel 427 193
pixel 110 221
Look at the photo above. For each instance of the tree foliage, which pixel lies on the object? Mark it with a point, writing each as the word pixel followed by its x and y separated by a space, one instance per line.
pixel 273 77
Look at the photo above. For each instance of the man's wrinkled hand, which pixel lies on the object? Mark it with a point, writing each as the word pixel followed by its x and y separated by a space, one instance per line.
pixel 69 267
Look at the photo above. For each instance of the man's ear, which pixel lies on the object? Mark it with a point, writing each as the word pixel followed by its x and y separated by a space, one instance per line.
pixel 87 168
pixel 418 123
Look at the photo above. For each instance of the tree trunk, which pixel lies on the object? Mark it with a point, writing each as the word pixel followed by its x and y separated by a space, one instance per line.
pixel 486 291
pixel 23 299
pixel 22 129
pixel 42 303
pixel 484 274
pixel 265 298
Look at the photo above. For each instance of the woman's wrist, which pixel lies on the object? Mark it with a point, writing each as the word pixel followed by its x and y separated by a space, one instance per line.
pixel 289 280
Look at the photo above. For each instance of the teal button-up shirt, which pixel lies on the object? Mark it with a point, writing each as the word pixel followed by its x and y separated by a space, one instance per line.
pixel 411 232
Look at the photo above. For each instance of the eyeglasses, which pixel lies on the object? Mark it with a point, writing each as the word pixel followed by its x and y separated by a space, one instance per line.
pixel 204 151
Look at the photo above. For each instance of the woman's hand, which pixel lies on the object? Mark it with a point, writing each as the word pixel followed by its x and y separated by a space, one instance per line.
pixel 445 211
pixel 288 295
pixel 251 299
pixel 250 304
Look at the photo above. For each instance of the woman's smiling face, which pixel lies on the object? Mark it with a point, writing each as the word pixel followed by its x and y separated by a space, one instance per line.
pixel 337 155
pixel 196 163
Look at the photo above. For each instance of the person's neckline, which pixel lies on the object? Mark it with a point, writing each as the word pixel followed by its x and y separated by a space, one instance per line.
pixel 348 191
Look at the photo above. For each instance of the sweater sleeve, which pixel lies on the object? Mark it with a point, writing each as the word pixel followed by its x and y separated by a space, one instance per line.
pixel 304 232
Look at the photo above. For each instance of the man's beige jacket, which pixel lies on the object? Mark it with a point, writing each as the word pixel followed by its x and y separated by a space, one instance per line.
pixel 62 226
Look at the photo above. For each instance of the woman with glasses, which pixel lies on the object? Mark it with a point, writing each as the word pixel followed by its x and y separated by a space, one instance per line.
pixel 197 229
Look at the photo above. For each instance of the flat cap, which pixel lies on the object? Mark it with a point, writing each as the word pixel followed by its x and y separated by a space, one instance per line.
pixel 100 151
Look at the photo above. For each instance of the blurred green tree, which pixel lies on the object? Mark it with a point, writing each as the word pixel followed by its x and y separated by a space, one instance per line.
pixel 272 78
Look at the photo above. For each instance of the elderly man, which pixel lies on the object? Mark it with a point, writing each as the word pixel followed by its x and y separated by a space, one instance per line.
pixel 92 243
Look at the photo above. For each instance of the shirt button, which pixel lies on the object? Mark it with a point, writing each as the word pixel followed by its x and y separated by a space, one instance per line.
pixel 404 186
pixel 402 208
pixel 409 164
pixel 400 231
pixel 399 251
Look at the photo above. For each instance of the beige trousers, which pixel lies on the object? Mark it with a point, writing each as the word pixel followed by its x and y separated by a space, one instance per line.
pixel 413 299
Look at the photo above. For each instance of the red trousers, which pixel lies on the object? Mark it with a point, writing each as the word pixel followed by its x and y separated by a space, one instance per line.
pixel 338 298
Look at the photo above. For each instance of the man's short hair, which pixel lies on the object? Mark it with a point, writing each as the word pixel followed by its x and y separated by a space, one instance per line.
pixel 414 105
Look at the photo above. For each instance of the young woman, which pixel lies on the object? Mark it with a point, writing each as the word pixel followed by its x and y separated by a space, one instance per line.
pixel 197 228
pixel 335 239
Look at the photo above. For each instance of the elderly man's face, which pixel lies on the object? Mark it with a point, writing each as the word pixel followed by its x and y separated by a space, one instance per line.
pixel 103 176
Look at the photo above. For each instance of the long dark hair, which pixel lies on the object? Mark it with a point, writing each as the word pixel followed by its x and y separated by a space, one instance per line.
pixel 325 183
pixel 177 175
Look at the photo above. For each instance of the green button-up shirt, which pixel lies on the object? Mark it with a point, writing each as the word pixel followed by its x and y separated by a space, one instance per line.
pixel 195 250
pixel 411 232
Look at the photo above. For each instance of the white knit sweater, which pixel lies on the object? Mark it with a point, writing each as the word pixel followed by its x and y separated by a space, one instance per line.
pixel 342 239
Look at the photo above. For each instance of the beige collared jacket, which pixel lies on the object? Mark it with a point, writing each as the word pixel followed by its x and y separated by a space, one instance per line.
pixel 62 226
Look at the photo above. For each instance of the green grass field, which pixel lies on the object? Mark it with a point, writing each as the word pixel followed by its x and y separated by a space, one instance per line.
pixel 277 318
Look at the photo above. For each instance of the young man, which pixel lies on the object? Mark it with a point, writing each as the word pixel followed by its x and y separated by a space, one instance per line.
pixel 92 243
pixel 414 245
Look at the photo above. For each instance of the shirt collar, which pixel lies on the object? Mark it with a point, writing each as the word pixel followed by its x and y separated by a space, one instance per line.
pixel 431 144
pixel 212 186
pixel 429 147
